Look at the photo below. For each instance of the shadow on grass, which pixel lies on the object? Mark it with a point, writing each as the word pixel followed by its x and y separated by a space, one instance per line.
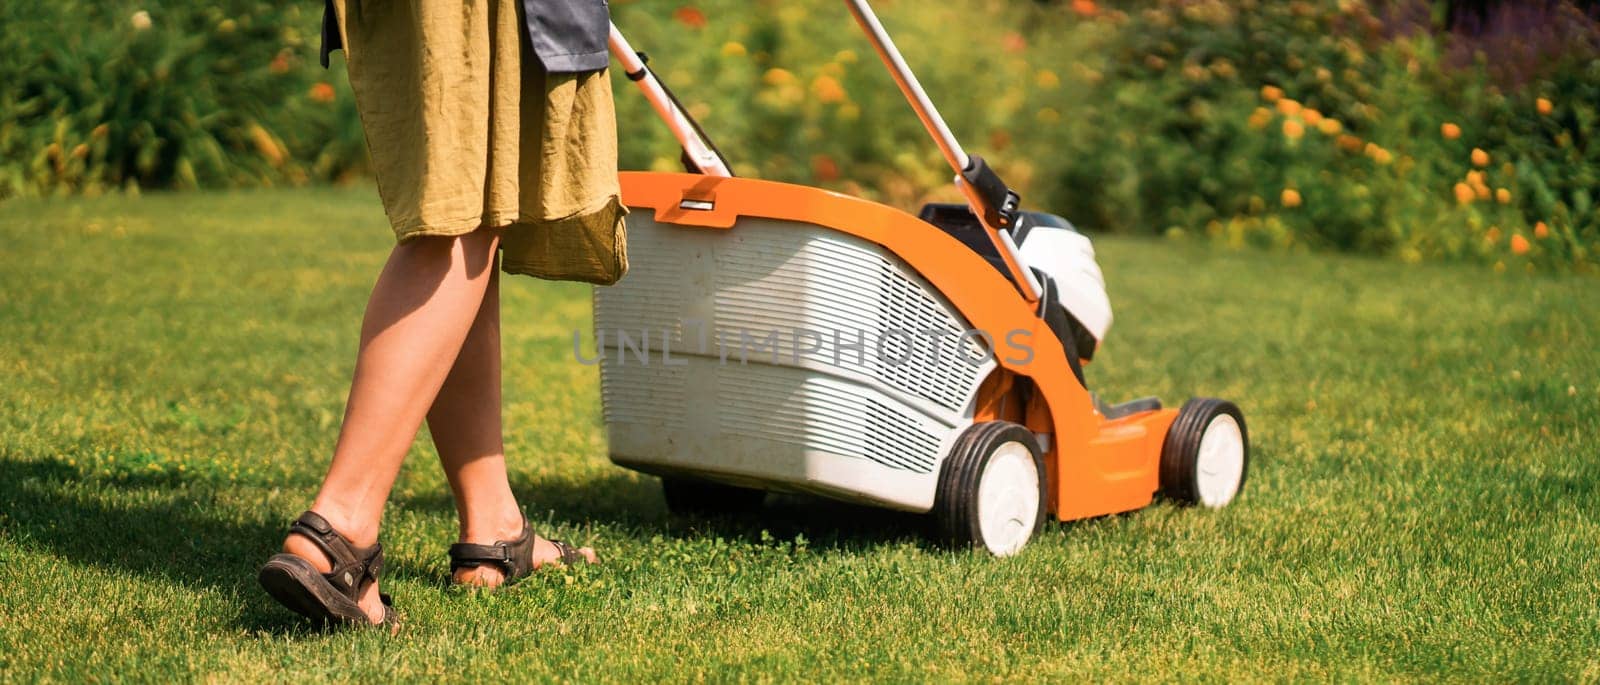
pixel 170 529
pixel 633 505
pixel 153 527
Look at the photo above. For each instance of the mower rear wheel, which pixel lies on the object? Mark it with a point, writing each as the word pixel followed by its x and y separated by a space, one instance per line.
pixel 1206 455
pixel 694 497
pixel 991 489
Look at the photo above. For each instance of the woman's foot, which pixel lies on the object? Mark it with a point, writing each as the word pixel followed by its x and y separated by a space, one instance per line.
pixel 492 575
pixel 371 601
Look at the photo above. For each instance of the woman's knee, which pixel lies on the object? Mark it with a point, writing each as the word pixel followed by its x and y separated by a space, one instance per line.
pixel 474 251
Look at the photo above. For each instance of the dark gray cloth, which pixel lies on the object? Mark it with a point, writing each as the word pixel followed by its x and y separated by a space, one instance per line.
pixel 331 39
pixel 568 36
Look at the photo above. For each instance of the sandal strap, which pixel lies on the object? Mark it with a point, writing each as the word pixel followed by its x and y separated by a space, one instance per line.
pixel 570 556
pixel 514 558
pixel 465 554
pixel 353 568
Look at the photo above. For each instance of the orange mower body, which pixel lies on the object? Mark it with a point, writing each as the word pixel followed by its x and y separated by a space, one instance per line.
pixel 777 337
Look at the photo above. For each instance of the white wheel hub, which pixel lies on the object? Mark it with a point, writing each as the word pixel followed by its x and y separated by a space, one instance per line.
pixel 1219 468
pixel 1008 499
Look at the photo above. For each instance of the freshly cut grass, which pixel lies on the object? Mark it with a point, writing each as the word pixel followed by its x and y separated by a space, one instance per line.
pixel 1422 505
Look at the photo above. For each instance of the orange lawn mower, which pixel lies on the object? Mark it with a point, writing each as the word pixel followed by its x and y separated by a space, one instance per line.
pixel 777 337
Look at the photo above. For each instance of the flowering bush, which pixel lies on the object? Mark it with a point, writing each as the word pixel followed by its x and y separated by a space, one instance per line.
pixel 109 95
pixel 1295 124
pixel 1334 124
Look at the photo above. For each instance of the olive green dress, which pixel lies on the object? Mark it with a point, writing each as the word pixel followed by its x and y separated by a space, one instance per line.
pixel 467 130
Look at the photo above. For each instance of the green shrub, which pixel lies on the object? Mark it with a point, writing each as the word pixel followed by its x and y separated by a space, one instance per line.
pixel 160 95
pixel 1298 124
pixel 1286 124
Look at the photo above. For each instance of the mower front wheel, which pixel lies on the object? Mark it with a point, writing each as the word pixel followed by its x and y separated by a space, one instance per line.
pixel 991 489
pixel 693 497
pixel 1206 455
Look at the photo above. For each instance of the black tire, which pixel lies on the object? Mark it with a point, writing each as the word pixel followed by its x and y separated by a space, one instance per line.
pixel 693 497
pixel 955 507
pixel 1180 454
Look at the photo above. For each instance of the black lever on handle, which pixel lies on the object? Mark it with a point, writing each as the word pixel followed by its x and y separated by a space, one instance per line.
pixel 1000 202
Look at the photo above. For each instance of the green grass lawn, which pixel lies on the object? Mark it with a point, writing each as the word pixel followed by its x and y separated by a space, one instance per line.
pixel 1424 501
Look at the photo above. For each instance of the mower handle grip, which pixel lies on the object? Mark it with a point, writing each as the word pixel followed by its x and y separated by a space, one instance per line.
pixel 990 198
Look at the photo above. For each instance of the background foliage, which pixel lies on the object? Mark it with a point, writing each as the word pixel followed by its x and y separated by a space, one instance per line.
pixel 1398 128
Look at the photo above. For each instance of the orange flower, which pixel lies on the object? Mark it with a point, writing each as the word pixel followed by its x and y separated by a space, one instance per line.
pixel 280 63
pixel 777 77
pixel 1482 192
pixel 1479 157
pixel 1014 42
pixel 1312 117
pixel 1503 196
pixel 1378 154
pixel 1293 129
pixel 1288 107
pixel 266 145
pixel 1349 143
pixel 1545 106
pixel 824 168
pixel 1464 193
pixel 1330 126
pixel 827 90
pixel 999 139
pixel 1540 230
pixel 1290 198
pixel 1450 131
pixel 1492 236
pixel 690 16
pixel 321 92
pixel 1271 93
pixel 1519 245
pixel 1085 8
pixel 1475 178
pixel 1260 118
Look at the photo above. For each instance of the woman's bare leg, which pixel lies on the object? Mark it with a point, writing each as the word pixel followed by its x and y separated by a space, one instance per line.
pixel 465 422
pixel 417 319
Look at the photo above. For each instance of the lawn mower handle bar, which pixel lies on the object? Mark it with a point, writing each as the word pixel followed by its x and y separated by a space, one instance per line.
pixel 990 199
pixel 697 150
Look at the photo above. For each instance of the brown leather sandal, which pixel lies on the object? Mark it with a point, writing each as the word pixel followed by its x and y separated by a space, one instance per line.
pixel 326 597
pixel 513 558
